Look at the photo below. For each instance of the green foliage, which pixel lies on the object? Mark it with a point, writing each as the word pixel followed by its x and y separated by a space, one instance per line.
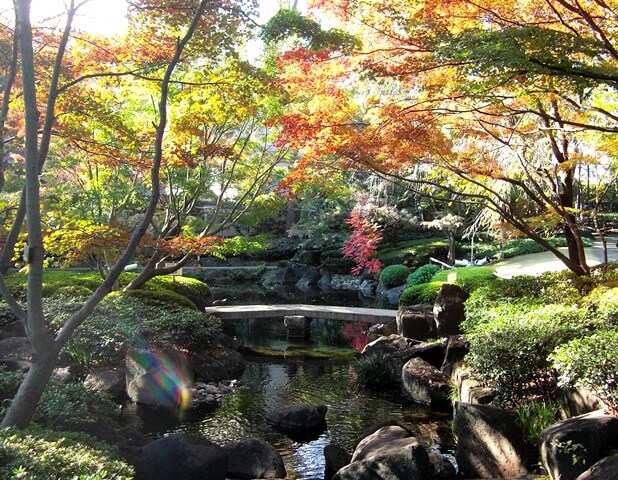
pixel 535 416
pixel 394 275
pixel 290 23
pixel 468 278
pixel 245 245
pixel 6 315
pixel 266 207
pixel 281 248
pixel 187 287
pixel 160 295
pixel 510 345
pixel 590 362
pixel 61 401
pixel 372 372
pixel 423 293
pixel 496 55
pixel 49 455
pixel 414 253
pixel 605 302
pixel 422 274
pixel 125 320
pixel 53 280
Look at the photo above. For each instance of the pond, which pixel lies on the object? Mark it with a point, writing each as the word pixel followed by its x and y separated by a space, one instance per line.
pixel 273 382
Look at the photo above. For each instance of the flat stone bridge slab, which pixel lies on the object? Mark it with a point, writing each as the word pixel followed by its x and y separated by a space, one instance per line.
pixel 344 314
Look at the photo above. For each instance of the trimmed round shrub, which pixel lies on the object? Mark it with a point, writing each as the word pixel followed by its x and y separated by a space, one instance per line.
pixel 156 294
pixel 590 362
pixel 423 293
pixel 394 275
pixel 192 288
pixel 49 455
pixel 422 274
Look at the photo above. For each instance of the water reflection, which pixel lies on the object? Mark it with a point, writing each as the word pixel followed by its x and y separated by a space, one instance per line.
pixel 268 385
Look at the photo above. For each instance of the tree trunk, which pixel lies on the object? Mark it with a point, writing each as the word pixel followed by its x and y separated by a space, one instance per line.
pixel 26 400
pixel 451 247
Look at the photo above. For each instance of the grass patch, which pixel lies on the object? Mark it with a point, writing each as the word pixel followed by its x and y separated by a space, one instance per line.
pixel 468 278
pixel 332 353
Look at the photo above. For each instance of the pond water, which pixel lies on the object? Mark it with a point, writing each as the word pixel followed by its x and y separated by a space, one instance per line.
pixel 270 383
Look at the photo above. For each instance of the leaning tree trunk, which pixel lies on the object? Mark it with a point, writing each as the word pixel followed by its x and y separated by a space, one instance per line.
pixel 31 389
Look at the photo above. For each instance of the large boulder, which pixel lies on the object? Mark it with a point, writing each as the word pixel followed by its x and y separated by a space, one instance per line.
pixel 217 364
pixel 109 380
pixel 432 352
pixel 443 469
pixel 572 446
pixel 395 350
pixel 604 469
pixel 423 383
pixel 300 421
pixel 388 454
pixel 253 458
pixel 182 457
pixel 448 310
pixel 385 346
pixel 416 322
pixel 490 442
pixel 310 278
pixel 370 430
pixel 393 294
pixel 335 458
pixel 286 276
pixel 158 379
pixel 16 353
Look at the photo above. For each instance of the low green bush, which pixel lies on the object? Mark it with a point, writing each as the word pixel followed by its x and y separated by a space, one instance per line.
pixel 394 275
pixel 423 293
pixel 468 278
pixel 243 245
pixel 156 294
pixel 372 372
pixel 422 274
pixel 49 455
pixel 590 362
pixel 61 401
pixel 191 288
pixel 510 344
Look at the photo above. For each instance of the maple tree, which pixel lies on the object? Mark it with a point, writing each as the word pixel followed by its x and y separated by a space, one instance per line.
pixel 504 97
pixel 58 76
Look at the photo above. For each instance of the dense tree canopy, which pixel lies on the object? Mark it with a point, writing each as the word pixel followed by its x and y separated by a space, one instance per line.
pixel 509 100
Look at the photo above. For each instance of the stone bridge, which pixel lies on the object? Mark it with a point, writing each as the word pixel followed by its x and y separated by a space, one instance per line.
pixel 228 313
